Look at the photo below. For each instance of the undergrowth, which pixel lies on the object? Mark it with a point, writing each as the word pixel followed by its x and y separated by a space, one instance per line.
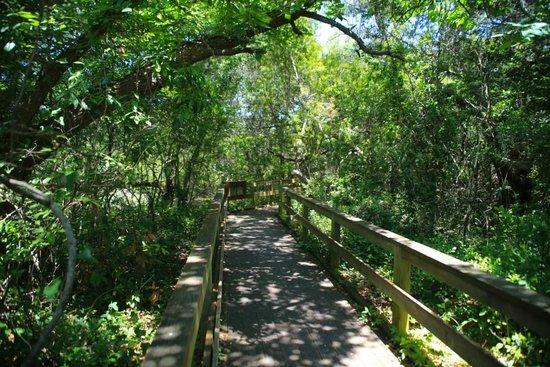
pixel 128 263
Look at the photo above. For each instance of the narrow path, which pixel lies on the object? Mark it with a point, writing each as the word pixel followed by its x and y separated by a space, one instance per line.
pixel 280 308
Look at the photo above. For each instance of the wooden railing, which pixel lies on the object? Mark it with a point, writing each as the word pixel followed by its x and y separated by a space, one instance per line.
pixel 188 333
pixel 189 329
pixel 526 307
pixel 238 190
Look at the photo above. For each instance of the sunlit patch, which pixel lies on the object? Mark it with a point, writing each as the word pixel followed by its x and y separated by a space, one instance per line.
pixel 343 303
pixel 245 301
pixel 294 358
pixel 273 291
pixel 191 281
pixel 267 361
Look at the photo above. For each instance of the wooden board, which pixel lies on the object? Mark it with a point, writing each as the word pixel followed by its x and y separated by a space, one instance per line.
pixel 281 309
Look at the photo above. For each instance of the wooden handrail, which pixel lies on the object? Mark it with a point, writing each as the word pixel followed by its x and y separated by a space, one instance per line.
pixel 177 335
pixel 239 190
pixel 525 306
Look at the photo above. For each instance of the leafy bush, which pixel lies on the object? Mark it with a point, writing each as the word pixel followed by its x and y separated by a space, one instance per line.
pixel 124 259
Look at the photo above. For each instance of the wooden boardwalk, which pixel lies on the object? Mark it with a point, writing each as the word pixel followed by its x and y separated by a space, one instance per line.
pixel 280 309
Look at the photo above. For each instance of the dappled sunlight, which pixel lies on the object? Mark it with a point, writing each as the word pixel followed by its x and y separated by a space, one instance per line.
pixel 280 309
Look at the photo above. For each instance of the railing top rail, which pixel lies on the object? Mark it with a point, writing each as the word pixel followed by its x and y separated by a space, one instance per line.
pixel 175 339
pixel 238 190
pixel 521 304
pixel 267 181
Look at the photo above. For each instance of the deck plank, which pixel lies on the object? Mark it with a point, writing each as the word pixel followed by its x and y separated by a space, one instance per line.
pixel 280 308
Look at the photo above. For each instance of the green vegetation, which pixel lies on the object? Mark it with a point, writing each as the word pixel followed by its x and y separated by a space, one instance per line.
pixel 429 118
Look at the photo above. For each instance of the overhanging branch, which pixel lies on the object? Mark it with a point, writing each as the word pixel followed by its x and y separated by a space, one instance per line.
pixel 348 32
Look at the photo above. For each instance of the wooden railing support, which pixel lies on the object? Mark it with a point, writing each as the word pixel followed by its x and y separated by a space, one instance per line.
pixel 212 334
pixel 333 258
pixel 401 278
pixel 288 214
pixel 305 214
pixel 255 190
pixel 271 189
pixel 280 201
pixel 185 323
pixel 203 333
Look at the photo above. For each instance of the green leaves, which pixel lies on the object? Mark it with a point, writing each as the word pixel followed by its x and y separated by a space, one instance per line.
pixel 67 179
pixel 9 46
pixel 532 30
pixel 31 18
pixel 262 17
pixel 52 289
pixel 522 33
pixel 27 15
pixel 70 179
pixel 336 9
pixel 86 254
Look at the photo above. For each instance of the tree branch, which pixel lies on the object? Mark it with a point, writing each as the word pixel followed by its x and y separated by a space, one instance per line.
pixel 348 32
pixel 30 192
pixel 295 29
pixel 52 72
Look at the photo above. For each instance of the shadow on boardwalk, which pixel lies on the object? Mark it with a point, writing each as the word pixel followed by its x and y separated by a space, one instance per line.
pixel 280 309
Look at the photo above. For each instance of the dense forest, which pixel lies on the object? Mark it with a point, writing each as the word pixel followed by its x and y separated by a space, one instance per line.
pixel 120 119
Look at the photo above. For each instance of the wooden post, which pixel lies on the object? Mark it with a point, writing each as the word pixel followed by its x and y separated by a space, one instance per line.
pixel 333 258
pixel 203 335
pixel 288 202
pixel 401 278
pixel 305 214
pixel 253 184
pixel 281 200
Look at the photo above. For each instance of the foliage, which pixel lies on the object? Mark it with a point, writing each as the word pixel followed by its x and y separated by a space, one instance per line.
pixel 122 261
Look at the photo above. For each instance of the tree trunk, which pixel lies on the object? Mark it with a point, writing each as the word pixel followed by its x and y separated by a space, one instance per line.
pixel 189 170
